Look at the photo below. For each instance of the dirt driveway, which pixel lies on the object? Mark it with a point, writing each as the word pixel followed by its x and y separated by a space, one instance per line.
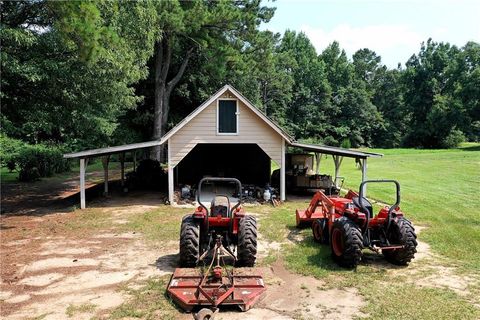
pixel 82 264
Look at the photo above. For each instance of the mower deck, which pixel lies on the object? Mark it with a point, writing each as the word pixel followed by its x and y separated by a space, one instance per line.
pixel 186 290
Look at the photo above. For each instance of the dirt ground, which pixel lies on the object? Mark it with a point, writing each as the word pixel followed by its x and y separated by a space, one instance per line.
pixel 43 274
pixel 49 271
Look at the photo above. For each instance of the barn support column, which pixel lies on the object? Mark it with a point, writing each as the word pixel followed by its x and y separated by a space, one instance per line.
pixel 318 158
pixel 83 165
pixel 170 174
pixel 338 162
pixel 134 156
pixel 282 173
pixel 363 162
pixel 105 161
pixel 122 169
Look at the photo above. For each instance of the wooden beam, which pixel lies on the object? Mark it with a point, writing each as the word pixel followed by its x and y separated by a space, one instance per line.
pixel 105 161
pixel 82 183
pixel 122 169
pixel 134 155
pixel 318 158
pixel 282 173
pixel 364 175
pixel 170 175
pixel 338 162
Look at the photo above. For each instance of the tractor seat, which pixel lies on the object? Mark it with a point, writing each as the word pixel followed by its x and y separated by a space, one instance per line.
pixel 219 206
pixel 365 203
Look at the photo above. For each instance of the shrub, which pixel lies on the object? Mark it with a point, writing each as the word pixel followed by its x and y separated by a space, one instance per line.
pixel 454 138
pixel 346 143
pixel 39 160
pixel 9 150
pixel 33 161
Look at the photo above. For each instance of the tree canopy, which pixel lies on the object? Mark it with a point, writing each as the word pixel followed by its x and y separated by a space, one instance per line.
pixel 85 74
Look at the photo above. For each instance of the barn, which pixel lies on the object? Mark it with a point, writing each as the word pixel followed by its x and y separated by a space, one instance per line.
pixel 226 136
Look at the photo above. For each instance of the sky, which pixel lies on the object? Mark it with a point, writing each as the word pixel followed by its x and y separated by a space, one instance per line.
pixel 394 29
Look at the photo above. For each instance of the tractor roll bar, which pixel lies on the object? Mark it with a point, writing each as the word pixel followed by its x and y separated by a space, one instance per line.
pixel 397 200
pixel 239 184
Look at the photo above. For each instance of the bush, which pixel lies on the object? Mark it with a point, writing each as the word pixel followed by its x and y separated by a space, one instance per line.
pixel 346 143
pixel 9 150
pixel 39 160
pixel 454 138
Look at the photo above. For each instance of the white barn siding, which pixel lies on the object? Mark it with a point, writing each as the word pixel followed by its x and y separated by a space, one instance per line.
pixel 203 129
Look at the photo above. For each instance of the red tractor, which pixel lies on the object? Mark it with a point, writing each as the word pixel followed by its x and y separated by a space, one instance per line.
pixel 348 224
pixel 200 230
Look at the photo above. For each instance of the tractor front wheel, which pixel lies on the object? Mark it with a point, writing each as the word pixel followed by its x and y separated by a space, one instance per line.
pixel 247 242
pixel 320 231
pixel 401 232
pixel 189 242
pixel 346 242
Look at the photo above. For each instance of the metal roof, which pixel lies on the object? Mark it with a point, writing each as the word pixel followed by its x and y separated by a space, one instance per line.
pixel 116 149
pixel 335 151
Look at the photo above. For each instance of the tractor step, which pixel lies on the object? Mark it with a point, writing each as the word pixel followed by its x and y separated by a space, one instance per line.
pixel 244 291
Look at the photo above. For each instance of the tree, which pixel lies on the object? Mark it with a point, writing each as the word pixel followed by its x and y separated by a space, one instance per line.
pixel 353 116
pixel 190 26
pixel 51 91
pixel 436 111
pixel 309 105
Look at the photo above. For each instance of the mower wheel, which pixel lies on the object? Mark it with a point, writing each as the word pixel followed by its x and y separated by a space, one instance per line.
pixel 401 232
pixel 247 242
pixel 346 242
pixel 204 314
pixel 189 242
pixel 320 231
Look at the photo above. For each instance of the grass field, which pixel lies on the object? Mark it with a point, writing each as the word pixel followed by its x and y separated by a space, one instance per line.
pixel 439 192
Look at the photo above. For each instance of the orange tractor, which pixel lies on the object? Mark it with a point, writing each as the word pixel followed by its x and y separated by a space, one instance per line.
pixel 209 237
pixel 349 225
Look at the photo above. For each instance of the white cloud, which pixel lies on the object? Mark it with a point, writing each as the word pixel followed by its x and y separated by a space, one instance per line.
pixel 395 43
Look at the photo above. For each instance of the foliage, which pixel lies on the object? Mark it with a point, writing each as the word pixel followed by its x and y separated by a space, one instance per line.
pixel 94 73
pixel 33 161
pixel 36 161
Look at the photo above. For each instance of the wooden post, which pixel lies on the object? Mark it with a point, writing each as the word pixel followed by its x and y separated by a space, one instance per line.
pixel 170 174
pixel 318 158
pixel 82 183
pixel 105 161
pixel 282 173
pixel 338 162
pixel 134 161
pixel 122 169
pixel 364 175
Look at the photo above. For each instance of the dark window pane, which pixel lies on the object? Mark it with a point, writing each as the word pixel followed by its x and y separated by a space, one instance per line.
pixel 227 118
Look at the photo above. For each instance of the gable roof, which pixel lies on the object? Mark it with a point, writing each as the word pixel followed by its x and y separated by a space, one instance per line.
pixel 240 97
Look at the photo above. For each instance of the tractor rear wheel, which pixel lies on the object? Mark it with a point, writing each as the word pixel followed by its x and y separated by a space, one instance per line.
pixel 189 242
pixel 247 242
pixel 346 242
pixel 320 231
pixel 401 232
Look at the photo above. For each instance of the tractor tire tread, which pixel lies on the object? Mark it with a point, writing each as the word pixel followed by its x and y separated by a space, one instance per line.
pixel 404 234
pixel 247 242
pixel 189 242
pixel 353 243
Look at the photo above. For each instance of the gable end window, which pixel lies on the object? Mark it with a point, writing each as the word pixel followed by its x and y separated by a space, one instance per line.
pixel 227 117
